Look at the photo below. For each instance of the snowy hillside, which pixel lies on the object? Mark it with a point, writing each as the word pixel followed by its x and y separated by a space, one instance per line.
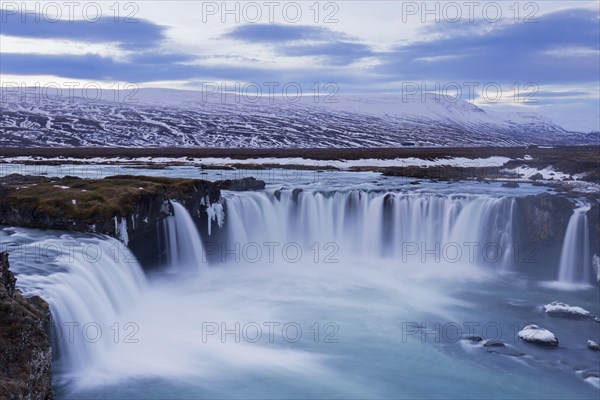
pixel 184 118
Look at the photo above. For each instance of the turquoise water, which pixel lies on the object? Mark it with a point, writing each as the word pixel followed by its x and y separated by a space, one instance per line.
pixel 374 351
pixel 371 327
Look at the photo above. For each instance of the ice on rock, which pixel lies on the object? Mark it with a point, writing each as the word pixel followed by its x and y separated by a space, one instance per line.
pixel 593 345
pixel 535 334
pixel 562 308
pixel 596 265
pixel 121 230
pixel 215 213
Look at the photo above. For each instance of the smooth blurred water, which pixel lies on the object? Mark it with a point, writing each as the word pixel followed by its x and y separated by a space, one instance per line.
pixel 372 326
pixel 373 352
pixel 575 262
pixel 278 178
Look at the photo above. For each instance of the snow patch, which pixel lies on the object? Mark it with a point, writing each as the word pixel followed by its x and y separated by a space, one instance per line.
pixel 535 334
pixel 493 161
pixel 558 307
pixel 593 345
pixel 547 173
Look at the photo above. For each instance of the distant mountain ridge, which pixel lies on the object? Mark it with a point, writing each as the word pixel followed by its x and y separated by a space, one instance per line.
pixel 164 117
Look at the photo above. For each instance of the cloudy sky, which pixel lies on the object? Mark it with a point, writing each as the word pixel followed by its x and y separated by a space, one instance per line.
pixel 544 55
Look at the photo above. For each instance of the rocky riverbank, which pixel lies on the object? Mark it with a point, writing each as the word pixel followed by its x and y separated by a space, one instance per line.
pixel 126 207
pixel 25 353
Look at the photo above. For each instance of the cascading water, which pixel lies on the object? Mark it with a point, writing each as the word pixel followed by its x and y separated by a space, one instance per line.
pixel 174 357
pixel 575 263
pixel 185 248
pixel 426 226
pixel 88 282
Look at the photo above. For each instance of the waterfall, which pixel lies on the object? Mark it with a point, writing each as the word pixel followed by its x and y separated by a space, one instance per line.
pixel 96 283
pixel 185 248
pixel 423 227
pixel 89 282
pixel 92 283
pixel 575 262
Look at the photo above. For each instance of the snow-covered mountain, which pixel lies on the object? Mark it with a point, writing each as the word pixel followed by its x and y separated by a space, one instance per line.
pixel 160 117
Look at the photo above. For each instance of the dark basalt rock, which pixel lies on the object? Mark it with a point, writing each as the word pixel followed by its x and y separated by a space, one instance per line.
pixel 590 373
pixel 510 185
pixel 25 353
pixel 472 338
pixel 505 351
pixel 240 184
pixel 494 343
pixel 544 217
pixel 594 223
pixel 540 222
pixel 295 194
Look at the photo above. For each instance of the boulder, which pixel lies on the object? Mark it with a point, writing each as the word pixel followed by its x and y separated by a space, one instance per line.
pixel 535 334
pixel 494 343
pixel 472 338
pixel 563 309
pixel 498 346
pixel 593 345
